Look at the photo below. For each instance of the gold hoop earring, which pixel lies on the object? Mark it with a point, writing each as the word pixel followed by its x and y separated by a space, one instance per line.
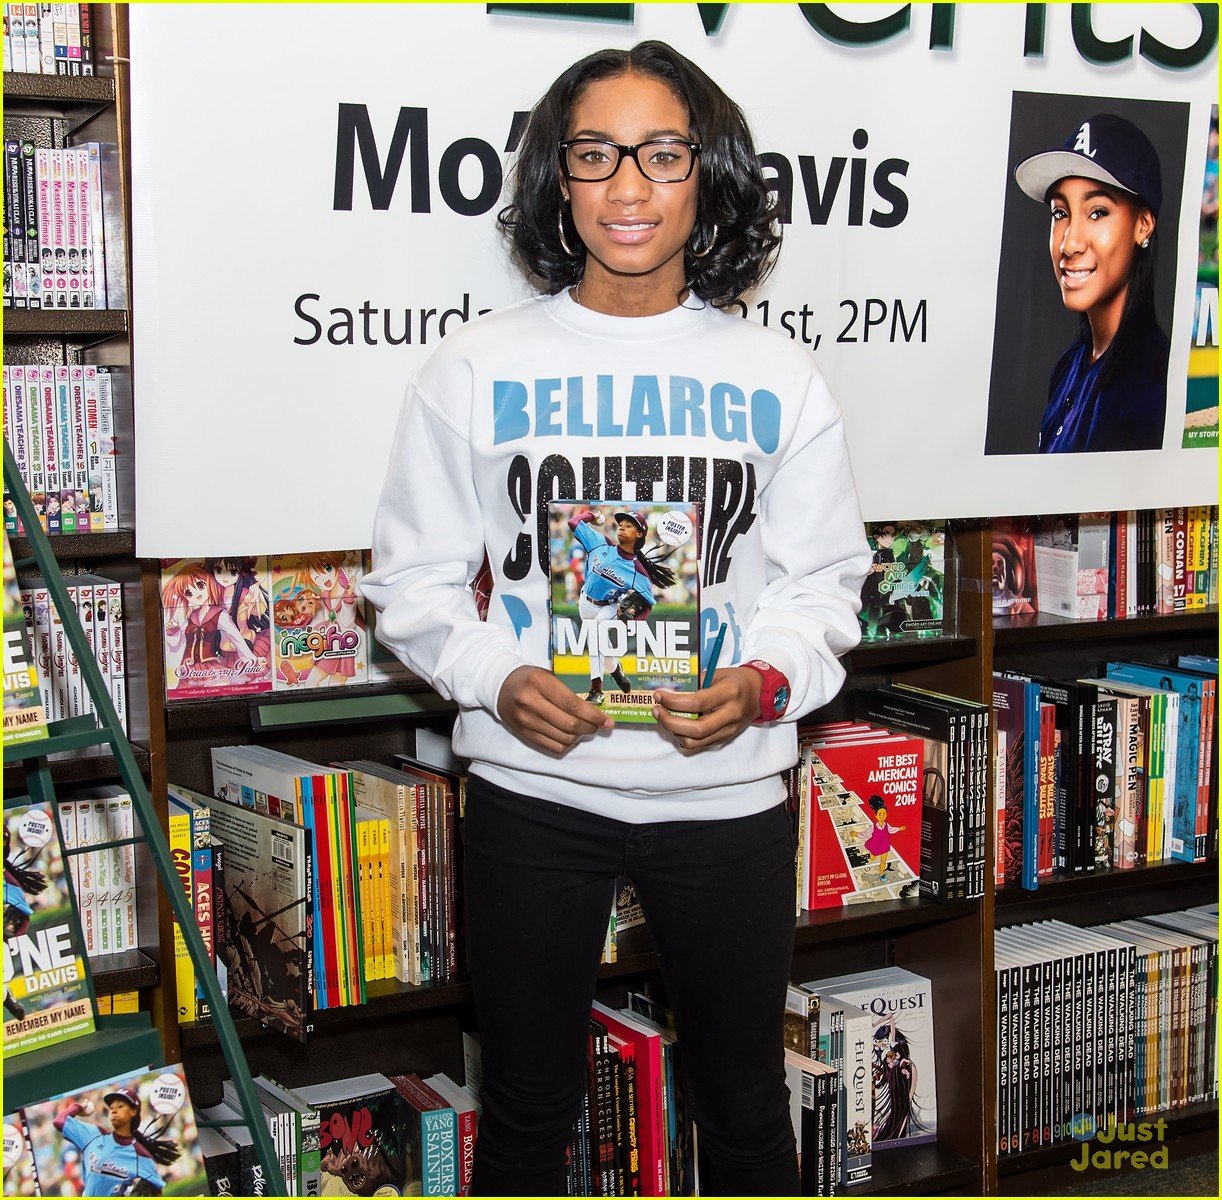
pixel 703 253
pixel 564 245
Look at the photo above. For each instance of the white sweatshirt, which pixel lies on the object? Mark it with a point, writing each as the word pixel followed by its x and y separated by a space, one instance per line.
pixel 548 400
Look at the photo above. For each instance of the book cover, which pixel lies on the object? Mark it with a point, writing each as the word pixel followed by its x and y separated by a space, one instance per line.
pixel 903 1067
pixel 865 812
pixel 624 602
pixel 363 1126
pixel 216 627
pixel 46 990
pixel 319 637
pixel 903 594
pixel 431 1145
pixel 24 718
pixel 268 916
pixel 1013 571
pixel 131 1135
pixel 20 1177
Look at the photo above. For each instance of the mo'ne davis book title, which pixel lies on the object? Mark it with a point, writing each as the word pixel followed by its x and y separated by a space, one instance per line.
pixel 625 602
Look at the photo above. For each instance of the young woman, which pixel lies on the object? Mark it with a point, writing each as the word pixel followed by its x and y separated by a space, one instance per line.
pixel 638 208
pixel 123 1161
pixel 1103 187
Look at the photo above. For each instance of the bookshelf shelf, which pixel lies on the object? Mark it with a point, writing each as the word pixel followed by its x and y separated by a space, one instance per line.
pixel 73 325
pixel 1036 628
pixel 1067 887
pixel 878 655
pixel 124 972
pixel 94 766
pixel 1181 1122
pixel 926 1170
pixel 62 91
pixel 118 543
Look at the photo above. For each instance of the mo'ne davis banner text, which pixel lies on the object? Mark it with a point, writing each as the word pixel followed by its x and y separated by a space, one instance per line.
pixel 305 236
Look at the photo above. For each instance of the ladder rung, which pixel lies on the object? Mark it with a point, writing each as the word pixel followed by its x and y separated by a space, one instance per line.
pixel 114 844
pixel 55 743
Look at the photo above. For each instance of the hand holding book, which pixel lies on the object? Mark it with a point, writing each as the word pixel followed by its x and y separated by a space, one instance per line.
pixel 544 713
pixel 722 709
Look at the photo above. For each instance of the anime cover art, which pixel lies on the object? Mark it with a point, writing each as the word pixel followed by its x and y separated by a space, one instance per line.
pixel 903 595
pixel 865 815
pixel 624 602
pixel 134 1135
pixel 319 638
pixel 216 627
pixel 46 986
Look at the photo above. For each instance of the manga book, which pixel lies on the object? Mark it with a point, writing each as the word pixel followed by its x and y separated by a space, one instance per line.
pixel 624 602
pixel 903 594
pixel 900 1004
pixel 46 987
pixel 132 1135
pixel 216 627
pixel 319 637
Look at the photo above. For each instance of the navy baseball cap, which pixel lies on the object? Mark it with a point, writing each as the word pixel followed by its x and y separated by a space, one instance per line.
pixel 1105 147
pixel 636 518
pixel 128 1094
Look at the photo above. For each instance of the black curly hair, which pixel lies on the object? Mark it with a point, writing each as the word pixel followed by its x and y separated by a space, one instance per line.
pixel 731 191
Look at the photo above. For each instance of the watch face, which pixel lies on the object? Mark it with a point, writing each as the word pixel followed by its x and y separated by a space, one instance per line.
pixel 780 701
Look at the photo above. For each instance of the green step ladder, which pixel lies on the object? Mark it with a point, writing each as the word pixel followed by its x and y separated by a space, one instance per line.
pixel 126 1042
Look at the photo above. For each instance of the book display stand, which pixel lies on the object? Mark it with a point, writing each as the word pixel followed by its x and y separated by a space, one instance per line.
pixel 126 1041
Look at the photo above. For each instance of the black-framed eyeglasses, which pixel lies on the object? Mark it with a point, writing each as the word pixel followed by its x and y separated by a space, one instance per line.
pixel 666 160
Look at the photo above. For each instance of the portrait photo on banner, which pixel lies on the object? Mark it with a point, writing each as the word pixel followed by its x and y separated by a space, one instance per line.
pixel 1074 255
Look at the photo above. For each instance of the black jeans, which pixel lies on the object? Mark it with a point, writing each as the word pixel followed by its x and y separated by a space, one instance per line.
pixel 719 901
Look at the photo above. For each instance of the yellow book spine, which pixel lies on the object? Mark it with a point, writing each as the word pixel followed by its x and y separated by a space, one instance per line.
pixel 364 878
pixel 384 897
pixel 184 968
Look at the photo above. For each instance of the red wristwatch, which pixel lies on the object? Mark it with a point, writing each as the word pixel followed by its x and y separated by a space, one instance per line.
pixel 774 693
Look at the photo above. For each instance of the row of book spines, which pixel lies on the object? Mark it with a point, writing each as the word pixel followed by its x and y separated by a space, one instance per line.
pixel 199 862
pixel 954 839
pixel 1101 774
pixel 1163 561
pixel 55 227
pixel 103 881
pixel 99 606
pixel 114 1003
pixel 48 39
pixel 1106 1033
pixel 60 423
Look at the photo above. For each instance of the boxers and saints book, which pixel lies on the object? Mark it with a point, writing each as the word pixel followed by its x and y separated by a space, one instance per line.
pixel 46 987
pixel 624 602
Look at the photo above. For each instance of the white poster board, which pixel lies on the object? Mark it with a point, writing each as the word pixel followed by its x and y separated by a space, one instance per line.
pixel 275 331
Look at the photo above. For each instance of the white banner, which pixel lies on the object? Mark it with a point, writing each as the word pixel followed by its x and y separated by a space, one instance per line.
pixel 306 232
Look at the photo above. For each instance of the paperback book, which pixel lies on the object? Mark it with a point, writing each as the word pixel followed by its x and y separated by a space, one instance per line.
pixel 24 717
pixel 216 627
pixel 131 1135
pixel 46 985
pixel 624 602
pixel 319 637
pixel 903 595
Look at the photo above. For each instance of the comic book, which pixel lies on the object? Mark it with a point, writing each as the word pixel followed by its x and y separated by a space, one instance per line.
pixel 319 638
pixel 1014 573
pixel 865 818
pixel 46 986
pixel 216 627
pixel 268 913
pixel 20 1178
pixel 24 718
pixel 624 602
pixel 134 1134
pixel 903 594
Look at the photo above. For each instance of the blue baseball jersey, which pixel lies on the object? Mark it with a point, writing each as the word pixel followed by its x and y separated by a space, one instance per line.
pixel 14 897
pixel 107 1162
pixel 1126 413
pixel 607 570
